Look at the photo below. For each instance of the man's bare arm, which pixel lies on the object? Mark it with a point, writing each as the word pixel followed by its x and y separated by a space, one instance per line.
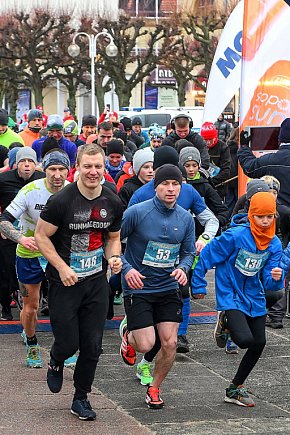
pixel 112 245
pixel 9 231
pixel 112 250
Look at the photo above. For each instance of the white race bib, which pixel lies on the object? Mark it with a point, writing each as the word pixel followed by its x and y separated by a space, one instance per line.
pixel 161 254
pixel 86 263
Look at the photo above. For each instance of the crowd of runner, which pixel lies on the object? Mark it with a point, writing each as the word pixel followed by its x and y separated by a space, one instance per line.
pixel 107 213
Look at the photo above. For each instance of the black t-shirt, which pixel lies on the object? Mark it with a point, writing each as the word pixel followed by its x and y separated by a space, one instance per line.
pixel 3 155
pixel 82 228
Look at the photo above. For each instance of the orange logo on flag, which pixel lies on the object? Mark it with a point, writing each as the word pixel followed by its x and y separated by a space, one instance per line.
pixel 270 104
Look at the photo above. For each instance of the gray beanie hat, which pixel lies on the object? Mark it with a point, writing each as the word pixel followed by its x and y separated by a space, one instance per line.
pixel 26 153
pixel 255 186
pixel 54 122
pixel 141 157
pixel 189 153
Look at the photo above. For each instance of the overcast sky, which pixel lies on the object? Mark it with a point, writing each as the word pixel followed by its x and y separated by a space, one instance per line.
pixel 76 7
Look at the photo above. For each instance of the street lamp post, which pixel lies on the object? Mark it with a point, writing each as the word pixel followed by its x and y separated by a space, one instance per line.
pixel 74 51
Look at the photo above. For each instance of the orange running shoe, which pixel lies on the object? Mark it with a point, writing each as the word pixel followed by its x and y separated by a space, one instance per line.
pixel 127 351
pixel 153 398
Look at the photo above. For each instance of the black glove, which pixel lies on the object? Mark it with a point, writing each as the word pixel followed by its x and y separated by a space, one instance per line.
pixel 245 139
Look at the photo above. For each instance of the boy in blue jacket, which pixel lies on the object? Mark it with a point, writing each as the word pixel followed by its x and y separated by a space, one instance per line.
pixel 245 256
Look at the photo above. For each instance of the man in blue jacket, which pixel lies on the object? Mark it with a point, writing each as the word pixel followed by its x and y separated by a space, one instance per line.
pixel 55 127
pixel 189 199
pixel 159 253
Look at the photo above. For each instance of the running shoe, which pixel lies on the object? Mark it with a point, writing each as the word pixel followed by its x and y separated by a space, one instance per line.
pixel 220 333
pixel 54 377
pixel 17 298
pixel 127 351
pixel 153 398
pixel 144 373
pixel 238 395
pixel 231 347
pixel 33 359
pixel 71 361
pixel 182 344
pixel 123 326
pixel 118 300
pixel 24 338
pixel 82 409
pixel 6 314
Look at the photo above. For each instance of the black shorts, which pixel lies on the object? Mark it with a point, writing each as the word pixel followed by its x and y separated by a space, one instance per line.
pixel 149 309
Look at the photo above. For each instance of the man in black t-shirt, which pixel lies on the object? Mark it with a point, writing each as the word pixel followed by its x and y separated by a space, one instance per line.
pixel 79 234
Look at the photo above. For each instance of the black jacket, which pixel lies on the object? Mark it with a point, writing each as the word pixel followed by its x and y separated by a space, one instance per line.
pixel 220 157
pixel 11 183
pixel 275 164
pixel 127 190
pixel 198 142
pixel 212 200
pixel 136 139
pixel 233 147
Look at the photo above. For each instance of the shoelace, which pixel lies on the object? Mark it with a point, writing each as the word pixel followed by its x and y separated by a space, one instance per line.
pixel 154 392
pixel 241 391
pixel 86 404
pixel 33 353
pixel 145 369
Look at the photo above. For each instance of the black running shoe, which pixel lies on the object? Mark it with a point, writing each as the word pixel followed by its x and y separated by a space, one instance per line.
pixel 82 408
pixel 54 377
pixel 182 344
pixel 6 314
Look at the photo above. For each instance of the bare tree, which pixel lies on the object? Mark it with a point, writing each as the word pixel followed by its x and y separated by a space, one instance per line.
pixel 194 54
pixel 28 39
pixel 133 64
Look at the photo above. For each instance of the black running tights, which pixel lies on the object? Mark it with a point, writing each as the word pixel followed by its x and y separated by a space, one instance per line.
pixel 248 333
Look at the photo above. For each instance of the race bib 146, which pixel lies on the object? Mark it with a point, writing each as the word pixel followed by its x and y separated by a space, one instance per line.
pixel 86 263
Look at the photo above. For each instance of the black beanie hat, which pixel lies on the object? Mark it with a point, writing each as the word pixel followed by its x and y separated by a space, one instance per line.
pixel 3 117
pixel 136 121
pixel 120 134
pixel 49 144
pixel 115 146
pixel 165 155
pixel 182 143
pixel 167 172
pixel 168 141
pixel 127 123
pixel 284 135
pixel 89 120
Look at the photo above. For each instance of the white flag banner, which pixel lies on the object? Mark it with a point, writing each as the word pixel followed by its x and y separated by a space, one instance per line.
pixel 265 84
pixel 225 74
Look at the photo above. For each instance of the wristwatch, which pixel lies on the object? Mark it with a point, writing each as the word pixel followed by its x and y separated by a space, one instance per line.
pixel 205 237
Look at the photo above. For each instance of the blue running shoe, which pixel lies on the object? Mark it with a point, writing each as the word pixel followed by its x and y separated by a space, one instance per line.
pixel 24 338
pixel 71 361
pixel 33 359
pixel 231 347
pixel 83 410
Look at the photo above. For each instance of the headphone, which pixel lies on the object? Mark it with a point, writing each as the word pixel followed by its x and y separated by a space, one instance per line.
pixel 172 122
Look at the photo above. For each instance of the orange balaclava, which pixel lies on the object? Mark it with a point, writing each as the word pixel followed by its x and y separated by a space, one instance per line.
pixel 262 204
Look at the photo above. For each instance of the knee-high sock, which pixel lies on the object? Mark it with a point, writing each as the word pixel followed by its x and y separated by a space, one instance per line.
pixel 185 313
